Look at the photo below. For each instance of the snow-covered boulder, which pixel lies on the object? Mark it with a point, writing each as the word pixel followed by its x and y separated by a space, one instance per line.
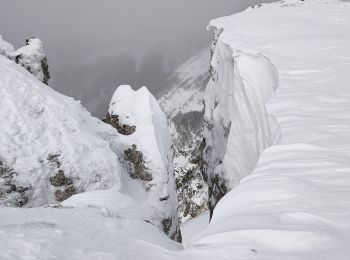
pixel 5 47
pixel 147 153
pixel 32 57
pixel 237 127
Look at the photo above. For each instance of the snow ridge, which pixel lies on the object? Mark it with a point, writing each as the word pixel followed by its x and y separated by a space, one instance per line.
pixel 237 127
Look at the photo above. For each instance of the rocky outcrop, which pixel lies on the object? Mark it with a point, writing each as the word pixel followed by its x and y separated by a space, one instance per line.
pixel 182 101
pixel 33 58
pixel 147 154
pixel 123 129
pixel 138 170
pixel 11 193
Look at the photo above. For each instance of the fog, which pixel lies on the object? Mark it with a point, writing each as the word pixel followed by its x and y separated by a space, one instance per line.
pixel 94 46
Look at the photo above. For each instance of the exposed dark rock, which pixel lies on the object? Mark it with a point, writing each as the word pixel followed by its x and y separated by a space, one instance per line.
pixel 139 170
pixel 217 190
pixel 65 194
pixel 53 159
pixel 164 198
pixel 6 171
pixel 123 129
pixel 60 180
pixel 167 223
pixel 11 195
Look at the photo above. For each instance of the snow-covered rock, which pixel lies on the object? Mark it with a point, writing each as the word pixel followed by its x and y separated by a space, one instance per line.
pixel 32 57
pixel 147 153
pixel 5 47
pixel 182 102
pixel 50 146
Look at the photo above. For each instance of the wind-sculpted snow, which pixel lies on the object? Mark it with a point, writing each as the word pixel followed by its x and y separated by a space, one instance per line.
pixel 148 154
pixel 237 127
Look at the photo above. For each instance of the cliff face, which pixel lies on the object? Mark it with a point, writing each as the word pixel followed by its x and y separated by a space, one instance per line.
pixel 182 102
pixel 237 127
pixel 147 154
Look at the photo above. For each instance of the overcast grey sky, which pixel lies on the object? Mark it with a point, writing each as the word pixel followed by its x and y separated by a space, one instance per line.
pixel 95 45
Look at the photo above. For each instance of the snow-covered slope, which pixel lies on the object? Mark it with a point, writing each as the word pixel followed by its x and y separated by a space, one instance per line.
pixel 182 101
pixel 51 148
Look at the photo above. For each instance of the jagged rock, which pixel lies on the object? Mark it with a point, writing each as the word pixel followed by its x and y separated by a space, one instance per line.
pixel 137 115
pixel 123 129
pixel 139 170
pixel 65 194
pixel 60 179
pixel 54 161
pixel 33 58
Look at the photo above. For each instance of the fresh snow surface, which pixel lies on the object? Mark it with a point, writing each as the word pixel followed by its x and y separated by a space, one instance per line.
pixel 191 228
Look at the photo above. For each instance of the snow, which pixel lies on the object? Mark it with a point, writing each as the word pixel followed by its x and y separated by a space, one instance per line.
pixel 295 202
pixel 38 122
pixel 139 108
pixel 5 47
pixel 33 58
pixel 191 228
pixel 294 205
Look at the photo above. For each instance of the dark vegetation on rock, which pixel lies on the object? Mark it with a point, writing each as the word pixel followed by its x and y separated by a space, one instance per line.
pixel 59 179
pixel 139 170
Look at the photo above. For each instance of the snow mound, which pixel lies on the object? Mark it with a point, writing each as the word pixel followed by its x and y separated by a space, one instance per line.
pixel 148 153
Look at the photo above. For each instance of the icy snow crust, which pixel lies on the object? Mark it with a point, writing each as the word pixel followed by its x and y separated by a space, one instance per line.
pixel 294 205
